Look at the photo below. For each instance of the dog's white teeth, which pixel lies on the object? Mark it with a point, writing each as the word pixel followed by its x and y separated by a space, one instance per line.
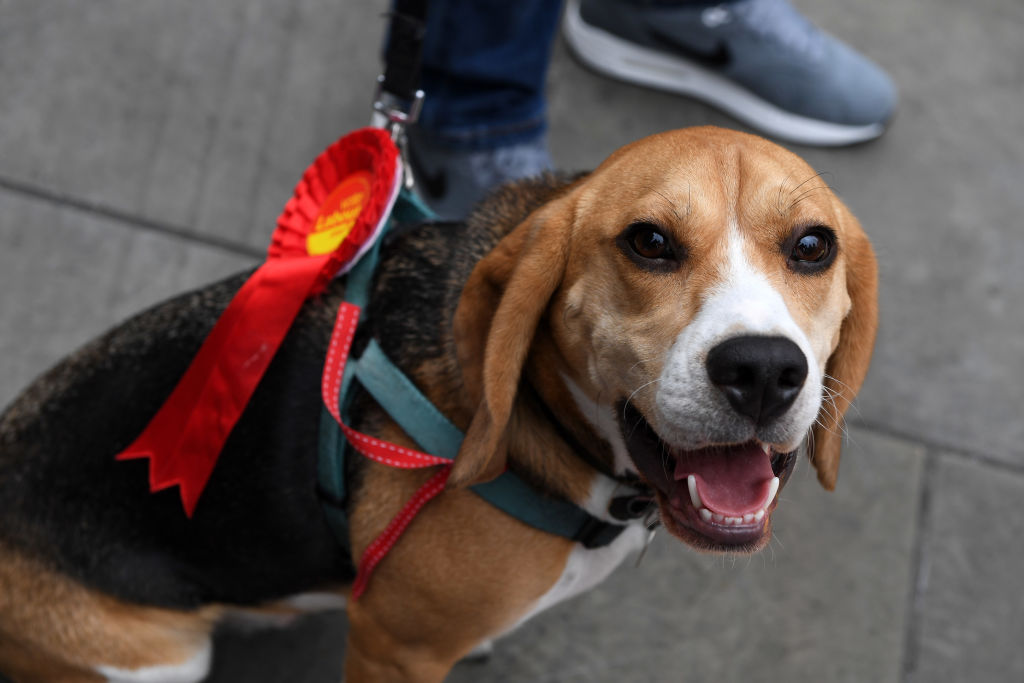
pixel 691 484
pixel 728 520
pixel 767 449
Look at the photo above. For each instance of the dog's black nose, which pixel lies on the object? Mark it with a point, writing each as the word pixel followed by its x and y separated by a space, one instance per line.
pixel 760 376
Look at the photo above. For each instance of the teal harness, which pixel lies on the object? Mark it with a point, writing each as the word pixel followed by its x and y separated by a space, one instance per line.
pixel 434 433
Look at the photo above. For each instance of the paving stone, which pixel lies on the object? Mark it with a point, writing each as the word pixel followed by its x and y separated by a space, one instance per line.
pixel 202 115
pixel 66 276
pixel 311 650
pixel 971 607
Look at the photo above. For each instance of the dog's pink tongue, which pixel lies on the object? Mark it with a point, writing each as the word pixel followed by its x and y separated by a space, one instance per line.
pixel 731 480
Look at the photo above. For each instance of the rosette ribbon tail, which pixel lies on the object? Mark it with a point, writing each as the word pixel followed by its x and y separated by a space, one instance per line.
pixel 184 439
pixel 339 207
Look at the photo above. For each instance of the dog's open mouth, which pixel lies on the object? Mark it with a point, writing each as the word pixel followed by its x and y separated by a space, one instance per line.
pixel 717 498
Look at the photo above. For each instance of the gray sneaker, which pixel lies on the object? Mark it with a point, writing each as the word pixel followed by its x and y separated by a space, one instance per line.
pixel 761 61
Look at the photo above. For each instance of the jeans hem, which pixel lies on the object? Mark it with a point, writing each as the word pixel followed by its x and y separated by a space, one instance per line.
pixel 474 138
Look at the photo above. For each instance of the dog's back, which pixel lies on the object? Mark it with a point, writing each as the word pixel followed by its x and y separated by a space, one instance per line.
pixel 68 503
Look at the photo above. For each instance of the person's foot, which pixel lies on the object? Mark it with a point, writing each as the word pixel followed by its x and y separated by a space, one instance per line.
pixel 452 181
pixel 759 60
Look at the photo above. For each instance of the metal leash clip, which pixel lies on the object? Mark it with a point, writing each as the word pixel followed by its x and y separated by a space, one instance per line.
pixel 393 114
pixel 638 503
pixel 651 522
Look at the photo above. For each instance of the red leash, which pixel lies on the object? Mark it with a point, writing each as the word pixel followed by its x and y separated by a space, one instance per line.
pixel 380 451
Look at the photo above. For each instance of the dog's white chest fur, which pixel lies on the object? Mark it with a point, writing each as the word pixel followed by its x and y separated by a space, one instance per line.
pixel 587 567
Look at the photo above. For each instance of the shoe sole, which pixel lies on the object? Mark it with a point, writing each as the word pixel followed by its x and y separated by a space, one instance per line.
pixel 608 54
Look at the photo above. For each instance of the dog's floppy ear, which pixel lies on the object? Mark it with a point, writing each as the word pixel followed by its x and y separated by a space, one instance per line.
pixel 495 322
pixel 848 364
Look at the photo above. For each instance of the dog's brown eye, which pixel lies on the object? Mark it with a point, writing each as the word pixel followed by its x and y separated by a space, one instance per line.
pixel 650 243
pixel 649 247
pixel 811 247
pixel 814 250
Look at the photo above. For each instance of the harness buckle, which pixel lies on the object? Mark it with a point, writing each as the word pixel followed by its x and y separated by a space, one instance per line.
pixel 596 533
pixel 635 506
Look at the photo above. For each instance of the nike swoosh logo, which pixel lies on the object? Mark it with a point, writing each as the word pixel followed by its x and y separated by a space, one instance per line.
pixel 435 183
pixel 717 58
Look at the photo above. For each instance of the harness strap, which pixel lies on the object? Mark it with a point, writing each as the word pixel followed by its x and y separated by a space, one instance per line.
pixel 376 449
pixel 331 456
pixel 372 447
pixel 399 397
pixel 510 494
pixel 422 421
pixel 417 416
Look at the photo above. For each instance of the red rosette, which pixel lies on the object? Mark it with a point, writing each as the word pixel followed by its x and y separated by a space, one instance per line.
pixel 336 211
pixel 365 162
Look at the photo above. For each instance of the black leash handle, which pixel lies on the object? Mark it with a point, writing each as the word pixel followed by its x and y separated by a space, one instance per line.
pixel 404 52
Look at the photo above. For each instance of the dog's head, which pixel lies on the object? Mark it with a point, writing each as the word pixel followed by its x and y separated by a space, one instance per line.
pixel 713 307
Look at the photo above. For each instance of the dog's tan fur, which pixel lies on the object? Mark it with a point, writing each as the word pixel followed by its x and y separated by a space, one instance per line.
pixel 66 628
pixel 554 299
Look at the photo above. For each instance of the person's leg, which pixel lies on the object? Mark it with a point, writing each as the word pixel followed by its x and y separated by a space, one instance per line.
pixel 484 66
pixel 483 119
pixel 759 60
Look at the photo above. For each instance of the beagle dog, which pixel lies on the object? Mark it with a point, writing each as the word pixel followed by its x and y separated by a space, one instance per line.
pixel 689 315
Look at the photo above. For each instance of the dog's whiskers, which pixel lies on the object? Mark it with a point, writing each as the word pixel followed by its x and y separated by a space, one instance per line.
pixel 819 174
pixel 826 186
pixel 806 194
pixel 846 390
pixel 665 455
pixel 830 430
pixel 838 381
pixel 634 393
pixel 641 388
pixel 778 200
pixel 671 204
pixel 641 361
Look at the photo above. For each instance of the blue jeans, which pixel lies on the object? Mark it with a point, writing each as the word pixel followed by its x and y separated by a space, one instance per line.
pixel 484 66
